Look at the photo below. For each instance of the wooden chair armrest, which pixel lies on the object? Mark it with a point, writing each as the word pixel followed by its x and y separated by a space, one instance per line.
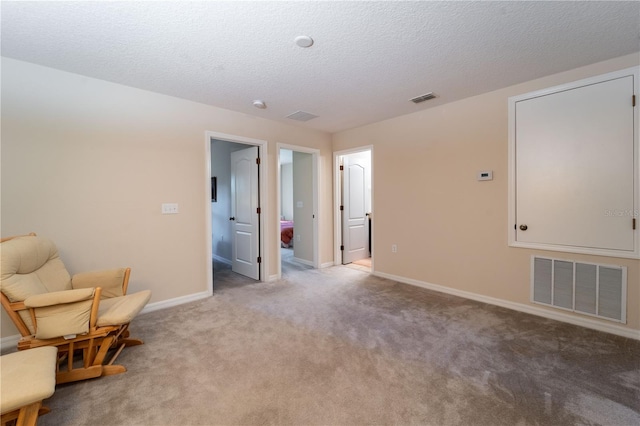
pixel 17 306
pixel 12 308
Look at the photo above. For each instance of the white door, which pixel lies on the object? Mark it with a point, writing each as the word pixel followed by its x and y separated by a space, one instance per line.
pixel 356 181
pixel 244 212
pixel 575 167
pixel 303 209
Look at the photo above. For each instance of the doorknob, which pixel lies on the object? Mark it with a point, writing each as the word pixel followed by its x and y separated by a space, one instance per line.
pixel 523 227
pixel 232 218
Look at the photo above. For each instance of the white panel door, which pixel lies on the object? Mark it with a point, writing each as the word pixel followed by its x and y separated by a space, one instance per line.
pixel 244 212
pixel 575 167
pixel 355 191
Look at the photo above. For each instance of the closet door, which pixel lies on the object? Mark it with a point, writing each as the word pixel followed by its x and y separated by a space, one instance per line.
pixel 575 167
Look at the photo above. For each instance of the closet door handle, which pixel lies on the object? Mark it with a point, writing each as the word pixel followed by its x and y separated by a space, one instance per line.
pixel 523 227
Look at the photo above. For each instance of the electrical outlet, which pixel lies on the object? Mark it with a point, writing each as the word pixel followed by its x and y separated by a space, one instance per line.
pixel 298 237
pixel 394 248
pixel 169 208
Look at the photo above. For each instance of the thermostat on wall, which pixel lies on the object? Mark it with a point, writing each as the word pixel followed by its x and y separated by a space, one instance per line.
pixel 485 175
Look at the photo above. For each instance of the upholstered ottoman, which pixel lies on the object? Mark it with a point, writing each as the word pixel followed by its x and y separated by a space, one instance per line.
pixel 26 378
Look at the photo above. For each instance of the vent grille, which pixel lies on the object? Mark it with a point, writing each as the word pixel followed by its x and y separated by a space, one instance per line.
pixel 302 116
pixel 423 98
pixel 586 288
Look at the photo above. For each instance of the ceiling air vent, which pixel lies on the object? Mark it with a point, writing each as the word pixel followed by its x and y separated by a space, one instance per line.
pixel 423 98
pixel 301 116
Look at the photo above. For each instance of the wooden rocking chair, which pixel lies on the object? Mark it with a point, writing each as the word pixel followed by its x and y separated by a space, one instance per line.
pixel 87 314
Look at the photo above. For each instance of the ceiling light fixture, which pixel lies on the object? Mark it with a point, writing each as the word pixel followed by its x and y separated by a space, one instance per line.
pixel 304 41
pixel 259 104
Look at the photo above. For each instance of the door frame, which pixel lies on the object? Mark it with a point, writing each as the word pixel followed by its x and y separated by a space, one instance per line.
pixel 337 194
pixel 262 200
pixel 315 153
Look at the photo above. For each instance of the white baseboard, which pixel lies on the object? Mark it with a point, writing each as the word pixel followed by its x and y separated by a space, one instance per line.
pixel 12 341
pixel 326 265
pixel 273 278
pixel 222 259
pixel 304 261
pixel 533 310
pixel 163 304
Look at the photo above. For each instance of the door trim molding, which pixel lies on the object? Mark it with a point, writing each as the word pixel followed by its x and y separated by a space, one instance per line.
pixel 263 200
pixel 337 222
pixel 315 155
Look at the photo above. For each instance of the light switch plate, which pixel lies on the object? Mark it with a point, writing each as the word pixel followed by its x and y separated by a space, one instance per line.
pixel 170 208
pixel 485 175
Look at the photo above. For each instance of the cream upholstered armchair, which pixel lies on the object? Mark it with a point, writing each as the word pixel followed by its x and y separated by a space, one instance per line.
pixel 87 314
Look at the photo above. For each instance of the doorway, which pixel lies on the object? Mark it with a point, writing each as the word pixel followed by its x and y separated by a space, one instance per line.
pixel 235 207
pixel 354 212
pixel 297 198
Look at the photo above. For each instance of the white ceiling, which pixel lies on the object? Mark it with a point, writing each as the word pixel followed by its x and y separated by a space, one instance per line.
pixel 368 59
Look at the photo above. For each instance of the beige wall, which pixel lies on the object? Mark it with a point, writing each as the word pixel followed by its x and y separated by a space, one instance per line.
pixel 286 191
pixel 451 230
pixel 88 163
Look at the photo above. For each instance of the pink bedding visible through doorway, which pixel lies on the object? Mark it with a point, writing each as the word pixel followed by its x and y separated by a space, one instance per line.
pixel 286 233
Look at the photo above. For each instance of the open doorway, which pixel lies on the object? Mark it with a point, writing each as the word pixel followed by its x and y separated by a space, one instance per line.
pixel 297 208
pixel 235 237
pixel 354 215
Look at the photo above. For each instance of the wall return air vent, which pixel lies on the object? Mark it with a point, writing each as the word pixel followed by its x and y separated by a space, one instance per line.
pixel 586 288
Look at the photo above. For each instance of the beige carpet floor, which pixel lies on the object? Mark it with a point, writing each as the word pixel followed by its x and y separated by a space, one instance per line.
pixel 340 347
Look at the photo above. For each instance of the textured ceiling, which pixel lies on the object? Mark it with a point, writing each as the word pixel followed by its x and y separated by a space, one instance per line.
pixel 368 59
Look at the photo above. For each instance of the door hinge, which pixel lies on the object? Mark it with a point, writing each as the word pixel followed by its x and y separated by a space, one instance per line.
pixel 258 210
pixel 633 100
pixel 515 226
pixel 258 160
pixel 342 248
pixel 341 167
pixel 341 208
pixel 633 223
pixel 259 259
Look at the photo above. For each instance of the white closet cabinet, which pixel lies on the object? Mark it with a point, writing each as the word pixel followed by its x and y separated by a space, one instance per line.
pixel 573 167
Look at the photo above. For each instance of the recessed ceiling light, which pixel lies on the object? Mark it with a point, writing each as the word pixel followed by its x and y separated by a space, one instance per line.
pixel 304 41
pixel 259 104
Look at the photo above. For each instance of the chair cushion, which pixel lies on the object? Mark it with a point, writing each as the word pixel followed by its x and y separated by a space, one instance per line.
pixel 62 320
pixel 27 377
pixel 31 265
pixel 62 312
pixel 59 297
pixel 109 280
pixel 121 310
